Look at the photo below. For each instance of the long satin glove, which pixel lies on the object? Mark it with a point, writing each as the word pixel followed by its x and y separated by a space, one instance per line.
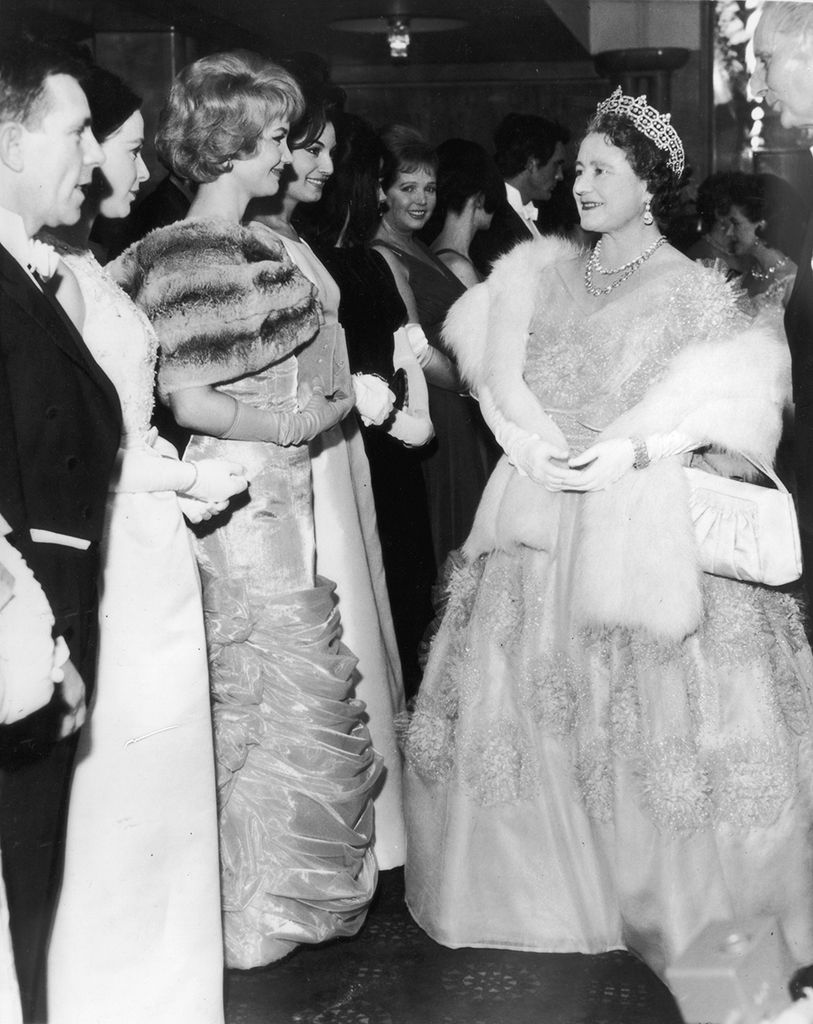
pixel 438 368
pixel 540 460
pixel 290 428
pixel 605 462
pixel 419 343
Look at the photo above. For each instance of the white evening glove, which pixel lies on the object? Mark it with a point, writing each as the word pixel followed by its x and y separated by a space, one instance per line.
pixel 374 400
pixel 411 425
pixel 146 468
pixel 197 511
pixel 664 446
pixel 419 343
pixel 540 460
pixel 215 480
pixel 412 429
pixel 605 462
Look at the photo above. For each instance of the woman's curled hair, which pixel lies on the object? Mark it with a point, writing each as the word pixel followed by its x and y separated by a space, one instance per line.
pixel 405 150
pixel 218 109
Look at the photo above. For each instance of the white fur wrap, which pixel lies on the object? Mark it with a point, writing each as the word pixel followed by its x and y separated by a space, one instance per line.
pixel 636 558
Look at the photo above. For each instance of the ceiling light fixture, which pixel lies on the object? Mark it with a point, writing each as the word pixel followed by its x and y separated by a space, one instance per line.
pixel 398 37
pixel 398 29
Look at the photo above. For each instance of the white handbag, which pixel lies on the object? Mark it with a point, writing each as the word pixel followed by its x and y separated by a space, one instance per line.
pixel 745 531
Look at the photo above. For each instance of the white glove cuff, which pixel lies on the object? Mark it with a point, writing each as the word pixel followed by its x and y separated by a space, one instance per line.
pixel 418 342
pixel 664 446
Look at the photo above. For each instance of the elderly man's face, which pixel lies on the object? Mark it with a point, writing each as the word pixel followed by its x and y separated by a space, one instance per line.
pixel 783 74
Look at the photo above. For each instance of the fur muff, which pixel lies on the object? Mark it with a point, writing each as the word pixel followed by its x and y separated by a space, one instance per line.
pixel 636 562
pixel 225 300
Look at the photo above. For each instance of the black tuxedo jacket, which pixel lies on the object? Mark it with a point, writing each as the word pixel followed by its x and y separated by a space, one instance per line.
pixel 799 328
pixel 60 426
pixel 507 230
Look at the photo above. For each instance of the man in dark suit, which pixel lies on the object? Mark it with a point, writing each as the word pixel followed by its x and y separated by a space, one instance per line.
pixel 783 76
pixel 530 153
pixel 60 425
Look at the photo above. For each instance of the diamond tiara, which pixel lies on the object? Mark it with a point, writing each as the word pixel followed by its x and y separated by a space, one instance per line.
pixel 649 122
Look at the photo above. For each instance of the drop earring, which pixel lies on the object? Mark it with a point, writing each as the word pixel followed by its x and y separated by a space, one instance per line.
pixel 648 218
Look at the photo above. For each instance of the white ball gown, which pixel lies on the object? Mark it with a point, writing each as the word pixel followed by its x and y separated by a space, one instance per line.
pixel 138 935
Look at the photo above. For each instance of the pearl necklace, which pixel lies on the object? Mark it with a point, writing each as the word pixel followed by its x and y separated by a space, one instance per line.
pixel 626 271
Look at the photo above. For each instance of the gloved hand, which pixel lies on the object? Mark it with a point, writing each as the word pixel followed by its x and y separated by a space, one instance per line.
pixel 215 480
pixel 197 511
pixel 319 414
pixel 412 429
pixel 540 460
pixel 600 465
pixel 374 400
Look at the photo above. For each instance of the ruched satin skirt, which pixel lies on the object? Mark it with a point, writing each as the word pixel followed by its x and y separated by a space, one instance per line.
pixel 296 768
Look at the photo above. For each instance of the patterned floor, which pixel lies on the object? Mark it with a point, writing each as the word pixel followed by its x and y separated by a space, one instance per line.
pixel 392 973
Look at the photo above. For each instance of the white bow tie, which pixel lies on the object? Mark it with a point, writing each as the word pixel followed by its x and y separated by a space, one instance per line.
pixel 530 212
pixel 43 259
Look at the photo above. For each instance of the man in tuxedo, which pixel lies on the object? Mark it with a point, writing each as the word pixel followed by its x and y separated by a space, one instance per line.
pixel 783 78
pixel 530 153
pixel 60 424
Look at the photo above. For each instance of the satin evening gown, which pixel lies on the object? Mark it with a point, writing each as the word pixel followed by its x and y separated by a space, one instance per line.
pixel 348 551
pixel 137 935
pixel 296 768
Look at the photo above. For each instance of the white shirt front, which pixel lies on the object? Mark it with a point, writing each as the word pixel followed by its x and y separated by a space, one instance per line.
pixel 14 238
pixel 527 211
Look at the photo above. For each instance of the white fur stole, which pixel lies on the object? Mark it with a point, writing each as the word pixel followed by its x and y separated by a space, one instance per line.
pixel 636 560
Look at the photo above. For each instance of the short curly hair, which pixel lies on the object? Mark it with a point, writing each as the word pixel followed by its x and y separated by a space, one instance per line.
pixel 405 151
pixel 648 161
pixel 218 109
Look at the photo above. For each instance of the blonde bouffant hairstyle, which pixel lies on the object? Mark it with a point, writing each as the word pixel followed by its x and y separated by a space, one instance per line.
pixel 218 109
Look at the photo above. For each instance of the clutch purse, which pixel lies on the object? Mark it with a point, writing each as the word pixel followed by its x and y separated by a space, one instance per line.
pixel 745 531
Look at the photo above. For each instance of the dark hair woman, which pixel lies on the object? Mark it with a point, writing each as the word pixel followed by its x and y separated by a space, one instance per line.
pixel 373 316
pixel 457 464
pixel 469 190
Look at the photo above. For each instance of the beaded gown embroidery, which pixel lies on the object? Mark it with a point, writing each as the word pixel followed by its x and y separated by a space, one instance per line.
pixel 583 791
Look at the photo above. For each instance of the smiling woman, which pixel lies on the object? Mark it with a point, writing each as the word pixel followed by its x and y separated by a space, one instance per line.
pixel 348 549
pixel 594 707
pixel 456 463
pixel 296 768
